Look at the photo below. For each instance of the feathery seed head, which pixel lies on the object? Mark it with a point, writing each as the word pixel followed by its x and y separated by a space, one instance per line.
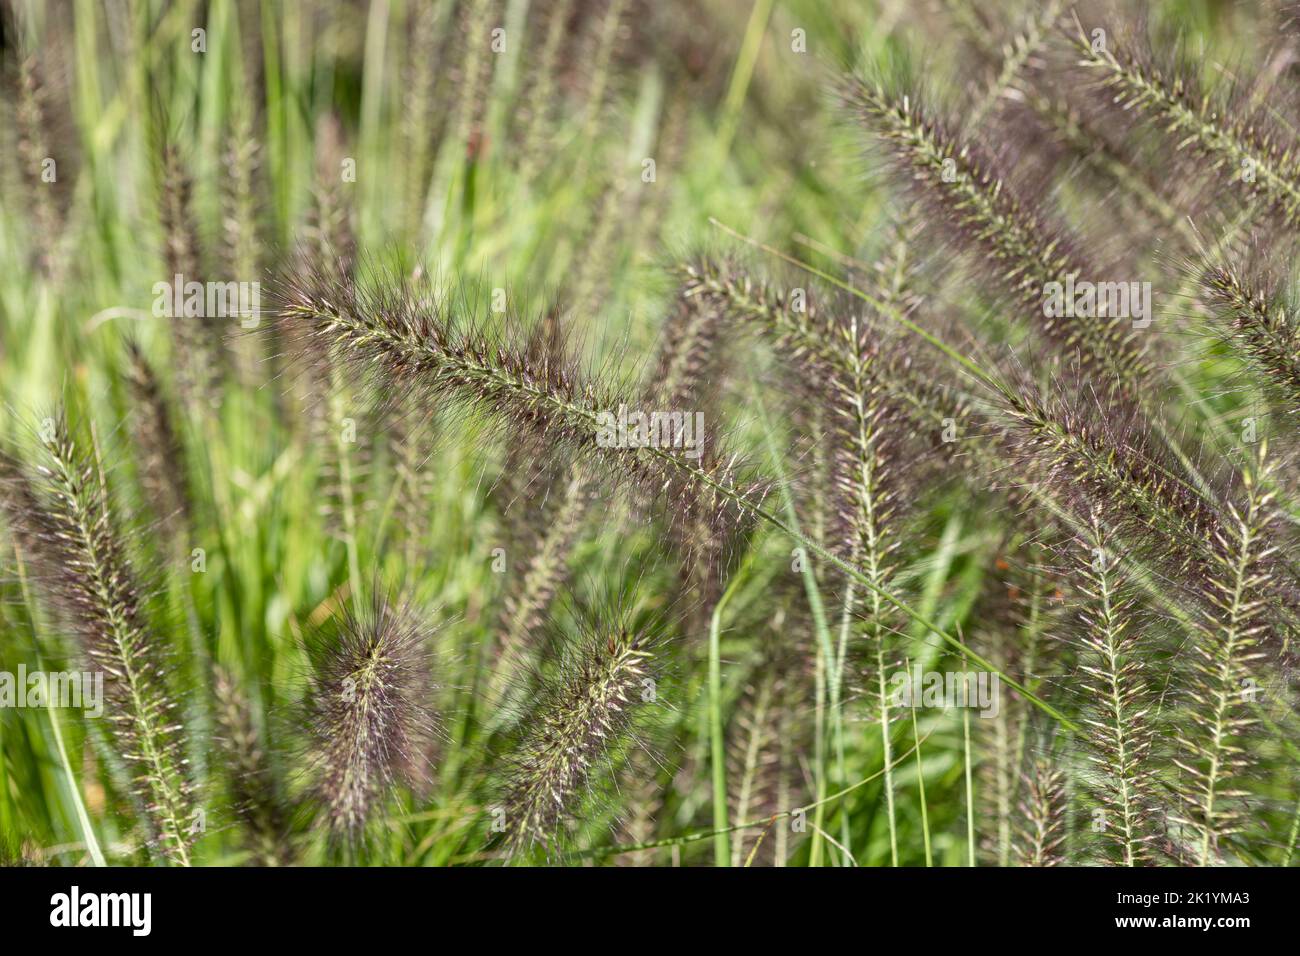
pixel 162 459
pixel 63 518
pixel 1114 641
pixel 1026 255
pixel 390 330
pixel 367 710
pixel 1236 144
pixel 583 720
pixel 1223 677
pixel 254 789
pixel 1261 326
pixel 1043 810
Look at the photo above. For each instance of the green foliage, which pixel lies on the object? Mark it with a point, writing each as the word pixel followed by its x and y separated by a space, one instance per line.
pixel 367 585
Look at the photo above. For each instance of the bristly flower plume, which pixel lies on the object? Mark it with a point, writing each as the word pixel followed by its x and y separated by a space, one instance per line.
pixel 1025 253
pixel 1235 141
pixel 161 458
pixel 1216 756
pixel 387 331
pixel 1043 809
pixel 1261 327
pixel 63 519
pixel 367 711
pixel 1091 459
pixel 580 727
pixel 254 789
pixel 1118 735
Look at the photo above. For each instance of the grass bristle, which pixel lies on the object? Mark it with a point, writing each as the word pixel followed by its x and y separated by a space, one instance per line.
pixel 368 711
pixel 77 546
pixel 1013 242
pixel 255 791
pixel 583 719
pixel 1043 809
pixel 1217 754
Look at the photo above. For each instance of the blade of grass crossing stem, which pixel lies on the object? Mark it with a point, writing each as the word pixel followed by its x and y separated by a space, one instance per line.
pixel 827 666
pixel 839 563
pixel 920 784
pixel 603 851
pixel 970 790
pixel 741 75
pixel 74 791
pixel 717 744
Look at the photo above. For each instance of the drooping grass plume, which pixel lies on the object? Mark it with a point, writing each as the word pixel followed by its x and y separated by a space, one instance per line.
pixel 1092 459
pixel 799 328
pixel 1261 327
pixel 583 721
pixel 1118 738
pixel 368 711
pixel 1237 143
pixel 436 347
pixel 62 517
pixel 254 788
pixel 1216 756
pixel 1021 251
pixel 786 317
pixel 1057 127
